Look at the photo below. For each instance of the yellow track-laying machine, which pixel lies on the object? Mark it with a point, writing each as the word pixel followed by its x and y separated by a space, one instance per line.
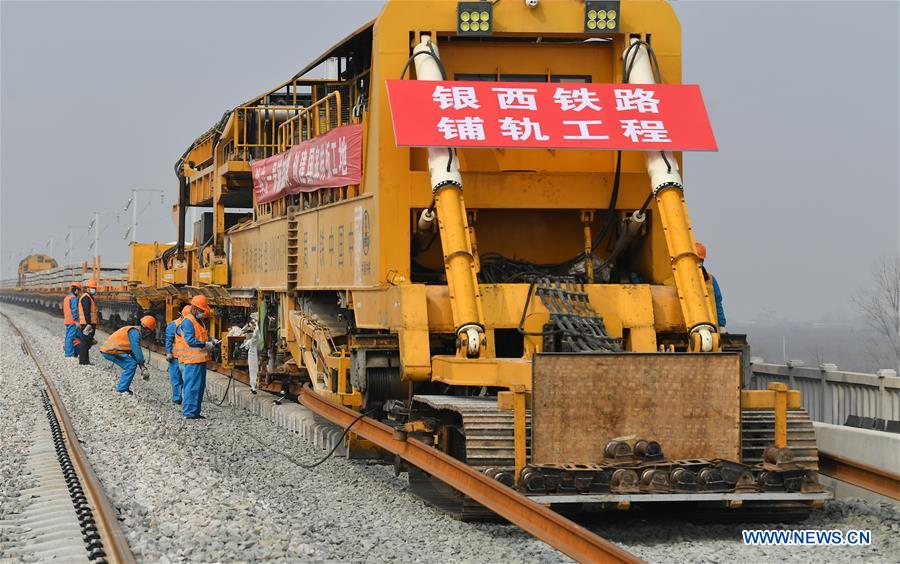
pixel 540 314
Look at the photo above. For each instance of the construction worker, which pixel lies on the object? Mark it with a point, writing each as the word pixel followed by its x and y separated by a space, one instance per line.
pixel 123 348
pixel 70 318
pixel 712 286
pixel 88 319
pixel 176 377
pixel 192 346
pixel 251 345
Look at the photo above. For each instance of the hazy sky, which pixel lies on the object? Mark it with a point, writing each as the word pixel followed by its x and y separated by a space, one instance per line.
pixel 799 202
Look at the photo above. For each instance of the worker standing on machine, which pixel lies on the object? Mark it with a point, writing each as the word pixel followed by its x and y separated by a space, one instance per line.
pixel 123 348
pixel 251 345
pixel 192 346
pixel 176 375
pixel 713 285
pixel 88 319
pixel 70 318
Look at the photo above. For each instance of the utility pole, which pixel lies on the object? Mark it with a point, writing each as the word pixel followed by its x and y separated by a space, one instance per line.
pixel 71 240
pixel 133 203
pixel 95 225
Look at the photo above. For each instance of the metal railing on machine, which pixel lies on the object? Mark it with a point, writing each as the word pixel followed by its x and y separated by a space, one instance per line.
pixel 320 117
pixel 256 131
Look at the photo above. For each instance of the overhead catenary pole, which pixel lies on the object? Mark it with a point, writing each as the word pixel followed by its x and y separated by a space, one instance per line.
pixel 96 238
pixel 71 239
pixel 96 245
pixel 133 203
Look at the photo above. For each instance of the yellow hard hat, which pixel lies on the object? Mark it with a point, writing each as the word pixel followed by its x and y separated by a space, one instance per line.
pixel 149 322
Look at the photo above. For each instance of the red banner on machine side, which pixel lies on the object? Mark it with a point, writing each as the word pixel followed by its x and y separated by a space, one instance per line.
pixel 535 115
pixel 330 160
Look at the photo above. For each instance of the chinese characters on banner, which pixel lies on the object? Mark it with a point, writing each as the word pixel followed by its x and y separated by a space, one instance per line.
pixel 550 115
pixel 330 160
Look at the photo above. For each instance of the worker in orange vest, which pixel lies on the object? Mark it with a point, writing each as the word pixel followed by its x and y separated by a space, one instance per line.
pixel 123 348
pixel 70 318
pixel 88 319
pixel 713 285
pixel 192 347
pixel 176 375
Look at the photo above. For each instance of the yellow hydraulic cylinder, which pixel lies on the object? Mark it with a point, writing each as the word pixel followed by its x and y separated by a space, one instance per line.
pixel 669 193
pixel 459 260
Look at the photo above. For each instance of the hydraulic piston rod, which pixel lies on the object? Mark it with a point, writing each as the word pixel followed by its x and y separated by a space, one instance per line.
pixel 453 225
pixel 665 181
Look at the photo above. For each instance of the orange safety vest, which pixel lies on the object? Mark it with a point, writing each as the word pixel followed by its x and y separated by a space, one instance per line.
pixel 185 353
pixel 68 319
pixel 118 342
pixel 175 352
pixel 95 315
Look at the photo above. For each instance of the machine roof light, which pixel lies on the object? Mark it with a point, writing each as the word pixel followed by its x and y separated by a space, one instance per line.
pixel 601 16
pixel 474 18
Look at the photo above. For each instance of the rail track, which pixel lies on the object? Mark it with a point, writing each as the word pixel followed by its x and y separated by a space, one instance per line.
pixel 566 536
pixel 563 534
pixel 860 475
pixel 68 471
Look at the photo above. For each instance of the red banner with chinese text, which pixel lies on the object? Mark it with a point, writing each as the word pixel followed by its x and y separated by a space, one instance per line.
pixel 550 115
pixel 330 160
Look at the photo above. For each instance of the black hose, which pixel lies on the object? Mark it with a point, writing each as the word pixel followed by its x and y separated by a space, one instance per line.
pixel 323 459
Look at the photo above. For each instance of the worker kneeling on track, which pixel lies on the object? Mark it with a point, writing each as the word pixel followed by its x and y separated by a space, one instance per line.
pixel 176 369
pixel 123 348
pixel 192 347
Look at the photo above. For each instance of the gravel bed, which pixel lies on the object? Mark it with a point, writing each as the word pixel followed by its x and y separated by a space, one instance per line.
pixel 206 490
pixel 209 491
pixel 21 410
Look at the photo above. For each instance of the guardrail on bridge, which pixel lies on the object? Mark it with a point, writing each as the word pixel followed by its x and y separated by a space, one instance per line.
pixel 831 395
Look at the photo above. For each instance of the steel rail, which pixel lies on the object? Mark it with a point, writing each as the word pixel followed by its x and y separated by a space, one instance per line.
pixel 112 536
pixel 566 536
pixel 860 475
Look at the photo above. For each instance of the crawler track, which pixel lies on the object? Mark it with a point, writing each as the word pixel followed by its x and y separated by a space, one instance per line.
pixel 104 539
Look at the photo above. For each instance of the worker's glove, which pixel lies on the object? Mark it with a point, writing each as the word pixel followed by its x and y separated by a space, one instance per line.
pixel 210 345
pixel 145 374
pixel 88 329
pixel 170 357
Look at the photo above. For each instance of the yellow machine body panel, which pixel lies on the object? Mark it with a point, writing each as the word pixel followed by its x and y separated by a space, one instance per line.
pixel 140 272
pixel 259 256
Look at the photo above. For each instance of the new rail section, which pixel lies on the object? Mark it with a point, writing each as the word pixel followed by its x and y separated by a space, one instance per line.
pixel 566 536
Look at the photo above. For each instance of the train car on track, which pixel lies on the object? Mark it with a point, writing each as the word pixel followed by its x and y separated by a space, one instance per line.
pixel 539 314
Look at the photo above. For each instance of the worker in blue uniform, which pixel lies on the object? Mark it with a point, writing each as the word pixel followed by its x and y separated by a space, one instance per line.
pixel 176 377
pixel 123 348
pixel 712 284
pixel 192 347
pixel 70 318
